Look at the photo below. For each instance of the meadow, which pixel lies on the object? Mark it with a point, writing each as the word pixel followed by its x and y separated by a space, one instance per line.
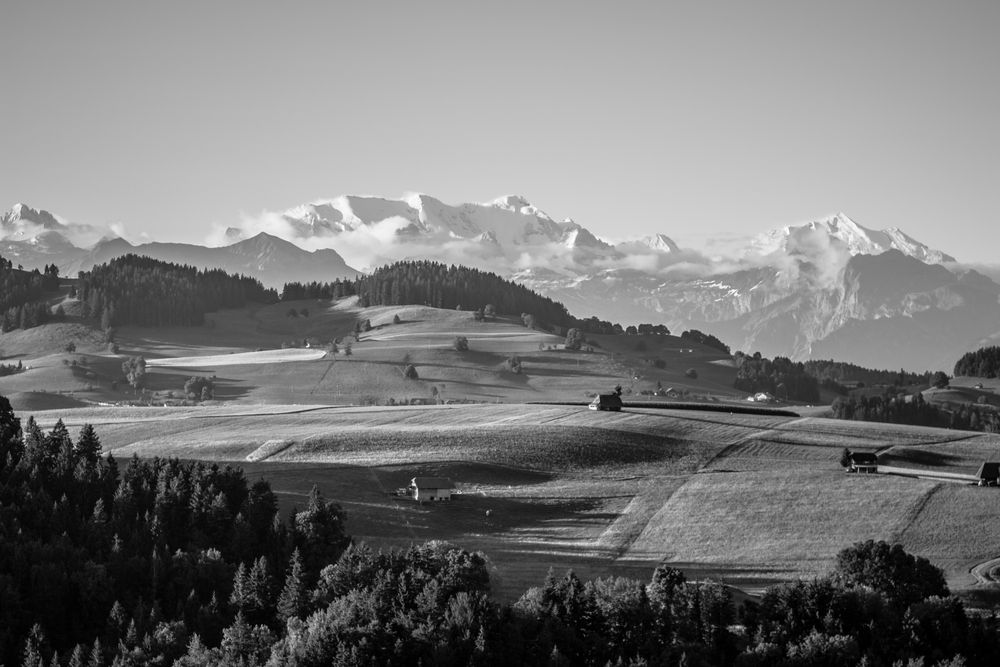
pixel 745 499
pixel 748 499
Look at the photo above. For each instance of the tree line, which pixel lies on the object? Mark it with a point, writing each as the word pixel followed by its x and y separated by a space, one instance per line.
pixel 834 374
pixel 781 377
pixel 983 363
pixel 137 290
pixel 901 408
pixel 23 296
pixel 705 339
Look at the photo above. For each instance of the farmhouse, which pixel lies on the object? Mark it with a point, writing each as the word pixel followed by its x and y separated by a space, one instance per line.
pixel 430 489
pixel 607 402
pixel 989 473
pixel 863 462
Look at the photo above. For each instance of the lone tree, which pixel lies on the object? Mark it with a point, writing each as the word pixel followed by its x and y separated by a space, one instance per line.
pixel 940 379
pixel 489 311
pixel 461 343
pixel 410 372
pixel 574 339
pixel 845 458
pixel 134 369
pixel 395 319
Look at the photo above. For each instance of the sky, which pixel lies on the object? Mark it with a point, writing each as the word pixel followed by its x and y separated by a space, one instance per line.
pixel 700 120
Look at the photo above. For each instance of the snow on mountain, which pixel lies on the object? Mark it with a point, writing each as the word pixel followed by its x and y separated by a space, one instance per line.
pixel 22 221
pixel 37 227
pixel 840 232
pixel 658 242
pixel 372 230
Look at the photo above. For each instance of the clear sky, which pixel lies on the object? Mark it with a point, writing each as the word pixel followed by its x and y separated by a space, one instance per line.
pixel 695 119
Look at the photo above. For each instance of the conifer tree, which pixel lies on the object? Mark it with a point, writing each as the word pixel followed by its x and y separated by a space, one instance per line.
pixel 294 599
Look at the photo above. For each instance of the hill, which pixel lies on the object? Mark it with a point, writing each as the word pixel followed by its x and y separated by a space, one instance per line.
pixel 745 499
pixel 259 354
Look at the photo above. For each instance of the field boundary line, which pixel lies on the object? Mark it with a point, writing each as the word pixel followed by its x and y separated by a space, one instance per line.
pixel 912 516
pixel 323 377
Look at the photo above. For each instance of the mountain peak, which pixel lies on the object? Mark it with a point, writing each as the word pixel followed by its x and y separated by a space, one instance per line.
pixel 20 213
pixel 841 231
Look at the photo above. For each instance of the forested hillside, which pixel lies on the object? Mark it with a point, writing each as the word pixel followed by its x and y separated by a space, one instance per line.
pixel 445 286
pixel 22 295
pixel 781 377
pixel 984 363
pixel 147 292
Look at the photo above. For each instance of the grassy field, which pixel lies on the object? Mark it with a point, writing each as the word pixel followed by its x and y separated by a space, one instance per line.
pixel 372 373
pixel 746 499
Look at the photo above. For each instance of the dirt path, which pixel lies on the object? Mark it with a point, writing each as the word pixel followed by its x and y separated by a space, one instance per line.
pixel 984 571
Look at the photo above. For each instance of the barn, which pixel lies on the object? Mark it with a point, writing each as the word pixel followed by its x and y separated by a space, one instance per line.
pixel 611 402
pixel 989 473
pixel 430 489
pixel 863 462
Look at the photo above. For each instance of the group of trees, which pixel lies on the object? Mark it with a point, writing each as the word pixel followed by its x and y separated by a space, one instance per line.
pixel 11 369
pixel 443 286
pixel 22 296
pixel 984 363
pixel 901 408
pixel 148 292
pixel 166 562
pixel 102 563
pixel 781 377
pixel 705 339
pixel 833 374
pixel 200 388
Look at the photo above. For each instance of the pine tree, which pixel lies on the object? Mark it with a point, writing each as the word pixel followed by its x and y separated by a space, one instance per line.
pixel 88 445
pixel 294 599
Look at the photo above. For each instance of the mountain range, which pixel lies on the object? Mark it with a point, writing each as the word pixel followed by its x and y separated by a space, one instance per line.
pixel 827 288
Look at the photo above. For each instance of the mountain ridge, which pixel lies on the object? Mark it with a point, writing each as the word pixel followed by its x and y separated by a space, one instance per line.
pixel 797 290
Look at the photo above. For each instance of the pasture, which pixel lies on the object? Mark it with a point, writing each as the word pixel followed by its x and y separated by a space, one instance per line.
pixel 259 354
pixel 745 499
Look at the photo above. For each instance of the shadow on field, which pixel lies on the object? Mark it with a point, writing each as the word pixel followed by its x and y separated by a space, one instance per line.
pixel 918 457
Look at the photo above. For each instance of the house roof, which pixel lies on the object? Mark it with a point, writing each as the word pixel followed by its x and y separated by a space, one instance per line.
pixel 864 458
pixel 989 470
pixel 607 399
pixel 432 483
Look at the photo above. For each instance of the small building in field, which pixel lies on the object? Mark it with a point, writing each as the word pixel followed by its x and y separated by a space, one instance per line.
pixel 863 462
pixel 430 489
pixel 989 473
pixel 611 402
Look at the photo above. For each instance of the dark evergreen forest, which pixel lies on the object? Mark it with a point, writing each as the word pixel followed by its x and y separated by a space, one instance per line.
pixel 454 287
pixel 23 294
pixel 983 363
pixel 148 292
pixel 832 374
pixel 901 408
pixel 781 377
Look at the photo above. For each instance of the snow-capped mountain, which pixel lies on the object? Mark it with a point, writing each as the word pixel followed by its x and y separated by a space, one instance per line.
pixel 840 232
pixel 826 288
